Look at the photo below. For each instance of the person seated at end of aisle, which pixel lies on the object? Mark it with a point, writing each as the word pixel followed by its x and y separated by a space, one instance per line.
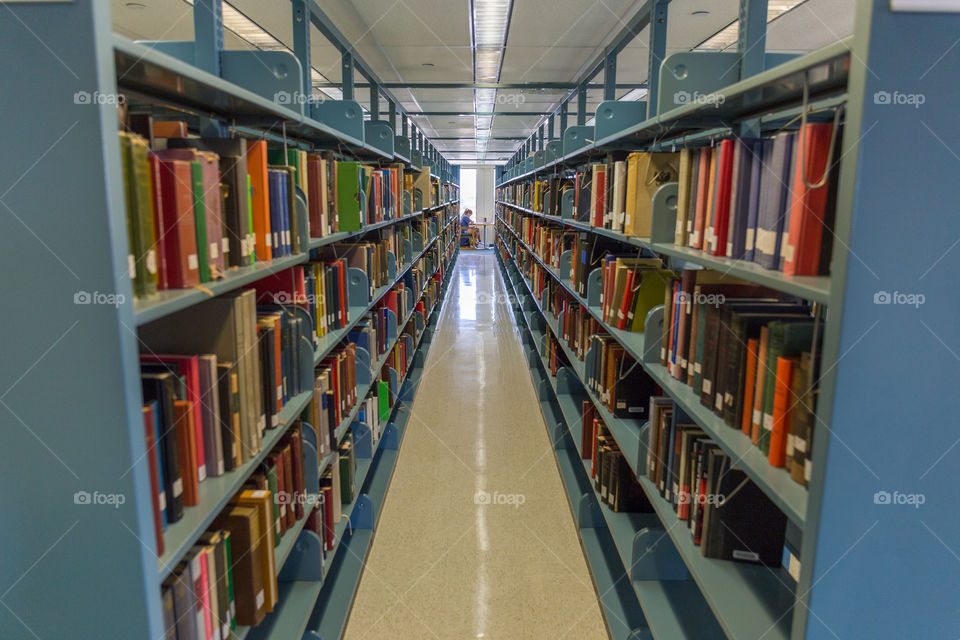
pixel 468 232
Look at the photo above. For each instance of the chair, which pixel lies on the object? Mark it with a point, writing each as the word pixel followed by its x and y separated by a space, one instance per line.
pixel 469 237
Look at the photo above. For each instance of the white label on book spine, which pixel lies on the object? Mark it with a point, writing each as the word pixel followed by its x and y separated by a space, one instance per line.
pixel 260 493
pixel 131 266
pixel 214 251
pixel 262 423
pixel 259 598
pixel 756 416
pixel 729 248
pixel 743 555
pixel 225 630
pixel 683 363
pixel 767 421
pixel 718 402
pixel 152 261
pixel 274 421
pixel 694 238
pixel 794 567
pixel 663 352
pixel 178 487
pixel 799 444
pixel 766 241
pixel 192 262
pixel 283 513
pixel 807 469
pixel 698 367
pixel 225 245
pixel 279 392
pixel 220 468
pixel 728 398
pixel 276 242
pixel 749 242
pixel 244 248
pixel 707 386
pixel 201 473
pixel 163 500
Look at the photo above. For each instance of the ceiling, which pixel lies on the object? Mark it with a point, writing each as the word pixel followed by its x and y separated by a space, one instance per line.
pixel 417 41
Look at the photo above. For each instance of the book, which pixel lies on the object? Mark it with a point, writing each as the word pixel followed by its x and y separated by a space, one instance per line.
pixel 246 542
pixel 260 198
pixel 801 249
pixel 177 224
pixel 773 199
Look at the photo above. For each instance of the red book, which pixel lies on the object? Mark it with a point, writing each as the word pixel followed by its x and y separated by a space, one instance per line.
pixel 801 254
pixel 344 303
pixel 176 224
pixel 155 190
pixel 586 430
pixel 721 217
pixel 315 195
pixel 149 425
pixel 781 412
pixel 328 517
pixel 627 301
pixel 703 189
pixel 188 368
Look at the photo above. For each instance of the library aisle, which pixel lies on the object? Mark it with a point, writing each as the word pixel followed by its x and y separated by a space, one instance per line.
pixel 476 539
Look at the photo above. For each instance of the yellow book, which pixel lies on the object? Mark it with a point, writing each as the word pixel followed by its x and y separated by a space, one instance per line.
pixel 652 170
pixel 262 502
pixel 683 196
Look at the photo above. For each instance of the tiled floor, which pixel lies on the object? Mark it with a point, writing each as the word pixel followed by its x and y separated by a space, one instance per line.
pixel 476 539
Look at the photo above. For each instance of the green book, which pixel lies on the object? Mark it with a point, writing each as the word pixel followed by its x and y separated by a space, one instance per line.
pixel 351 199
pixel 133 236
pixel 383 398
pixel 787 339
pixel 200 220
pixel 346 477
pixel 233 600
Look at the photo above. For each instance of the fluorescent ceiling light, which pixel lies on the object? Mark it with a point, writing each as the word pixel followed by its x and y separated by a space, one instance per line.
pixel 490 21
pixel 727 37
pixel 633 95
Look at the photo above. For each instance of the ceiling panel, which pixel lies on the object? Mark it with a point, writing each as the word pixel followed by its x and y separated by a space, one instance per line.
pixel 813 24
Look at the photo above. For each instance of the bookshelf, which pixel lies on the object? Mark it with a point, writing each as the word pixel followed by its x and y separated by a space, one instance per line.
pixel 66 195
pixel 884 366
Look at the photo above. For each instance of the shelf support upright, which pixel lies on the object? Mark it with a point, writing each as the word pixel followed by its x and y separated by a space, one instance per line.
pixel 392 106
pixel 564 112
pixel 658 49
pixel 582 105
pixel 374 101
pixel 550 127
pixel 301 48
pixel 208 35
pixel 752 38
pixel 346 74
pixel 610 76
pixel 540 139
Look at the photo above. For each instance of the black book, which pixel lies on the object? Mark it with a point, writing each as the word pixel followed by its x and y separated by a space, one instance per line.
pixel 162 389
pixel 169 617
pixel 268 371
pixel 632 390
pixel 229 413
pixel 742 524
pixel 184 602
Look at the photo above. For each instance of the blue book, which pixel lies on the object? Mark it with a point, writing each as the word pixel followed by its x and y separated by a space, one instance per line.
pixel 774 199
pixel 756 167
pixel 156 451
pixel 277 182
pixel 743 157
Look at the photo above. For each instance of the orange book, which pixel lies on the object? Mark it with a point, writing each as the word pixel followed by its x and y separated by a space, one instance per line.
pixel 187 452
pixel 260 191
pixel 703 197
pixel 781 412
pixel 749 384
pixel 756 415
pixel 169 129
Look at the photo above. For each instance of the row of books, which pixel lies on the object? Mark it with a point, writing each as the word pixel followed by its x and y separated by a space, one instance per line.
pixel 727 514
pixel 210 393
pixel 616 194
pixel 614 480
pixel 197 207
pixel 229 577
pixel 769 201
pixel 750 357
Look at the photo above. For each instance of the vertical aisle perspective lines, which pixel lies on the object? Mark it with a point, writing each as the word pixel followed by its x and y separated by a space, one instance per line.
pixel 476 539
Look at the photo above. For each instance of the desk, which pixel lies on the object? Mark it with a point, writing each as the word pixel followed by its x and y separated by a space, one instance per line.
pixel 483 230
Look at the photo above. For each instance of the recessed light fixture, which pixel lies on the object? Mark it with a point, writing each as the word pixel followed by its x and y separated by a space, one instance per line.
pixel 700 13
pixel 428 64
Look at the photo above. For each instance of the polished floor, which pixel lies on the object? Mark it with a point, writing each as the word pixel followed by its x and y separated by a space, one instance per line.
pixel 476 539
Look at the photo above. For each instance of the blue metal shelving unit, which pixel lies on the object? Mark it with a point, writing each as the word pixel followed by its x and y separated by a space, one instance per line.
pixel 71 399
pixel 867 568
